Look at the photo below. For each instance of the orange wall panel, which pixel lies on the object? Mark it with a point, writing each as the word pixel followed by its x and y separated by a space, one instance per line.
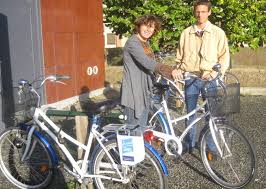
pixel 49 48
pixel 81 11
pixel 64 49
pixel 48 16
pixel 90 56
pixel 73 43
pixel 64 16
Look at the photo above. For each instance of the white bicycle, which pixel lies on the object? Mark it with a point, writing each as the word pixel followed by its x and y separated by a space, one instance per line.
pixel 231 161
pixel 28 158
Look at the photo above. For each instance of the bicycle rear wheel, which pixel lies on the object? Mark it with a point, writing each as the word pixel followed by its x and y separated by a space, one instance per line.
pixel 156 123
pixel 147 174
pixel 235 168
pixel 35 171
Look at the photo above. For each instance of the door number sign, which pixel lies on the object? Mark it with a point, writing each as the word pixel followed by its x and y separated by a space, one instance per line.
pixel 92 70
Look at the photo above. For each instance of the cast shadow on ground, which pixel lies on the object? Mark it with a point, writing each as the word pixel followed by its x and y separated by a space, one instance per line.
pixel 195 169
pixel 89 104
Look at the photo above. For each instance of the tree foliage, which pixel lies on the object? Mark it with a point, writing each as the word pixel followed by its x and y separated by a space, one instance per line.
pixel 244 21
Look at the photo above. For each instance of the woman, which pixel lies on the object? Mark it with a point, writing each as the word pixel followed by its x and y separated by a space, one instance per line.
pixel 139 63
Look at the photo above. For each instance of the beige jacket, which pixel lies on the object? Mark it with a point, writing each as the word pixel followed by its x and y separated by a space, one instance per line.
pixel 194 55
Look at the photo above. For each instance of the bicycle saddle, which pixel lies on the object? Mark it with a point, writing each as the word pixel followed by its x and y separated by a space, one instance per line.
pixel 217 67
pixel 102 106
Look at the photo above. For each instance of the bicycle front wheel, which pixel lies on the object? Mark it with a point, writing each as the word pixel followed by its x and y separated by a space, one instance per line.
pixel 35 171
pixel 147 174
pixel 235 166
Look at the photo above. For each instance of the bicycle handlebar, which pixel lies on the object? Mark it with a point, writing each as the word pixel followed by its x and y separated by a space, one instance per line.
pixel 25 85
pixel 62 77
pixel 188 76
pixel 56 78
pixel 216 68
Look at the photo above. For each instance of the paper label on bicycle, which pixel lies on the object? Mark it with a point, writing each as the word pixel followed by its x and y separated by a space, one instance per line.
pixel 131 149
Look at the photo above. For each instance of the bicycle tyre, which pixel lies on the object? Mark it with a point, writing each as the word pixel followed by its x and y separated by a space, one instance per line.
pixel 241 161
pixel 141 173
pixel 157 124
pixel 36 171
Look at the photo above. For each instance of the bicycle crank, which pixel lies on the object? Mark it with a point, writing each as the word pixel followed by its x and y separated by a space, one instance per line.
pixel 173 147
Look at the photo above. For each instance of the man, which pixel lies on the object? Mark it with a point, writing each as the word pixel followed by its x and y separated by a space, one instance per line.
pixel 201 46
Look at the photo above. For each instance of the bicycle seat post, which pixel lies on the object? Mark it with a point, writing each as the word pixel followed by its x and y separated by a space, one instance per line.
pixel 95 121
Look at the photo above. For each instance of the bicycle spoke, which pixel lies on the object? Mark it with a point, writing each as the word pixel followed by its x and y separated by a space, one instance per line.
pixel 234 171
pixel 24 174
pixel 236 167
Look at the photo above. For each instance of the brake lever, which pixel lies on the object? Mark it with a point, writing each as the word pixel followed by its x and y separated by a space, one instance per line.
pixel 61 82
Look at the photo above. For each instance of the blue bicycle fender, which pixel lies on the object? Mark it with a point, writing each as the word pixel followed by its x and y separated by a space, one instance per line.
pixel 158 157
pixel 49 147
pixel 44 140
pixel 164 122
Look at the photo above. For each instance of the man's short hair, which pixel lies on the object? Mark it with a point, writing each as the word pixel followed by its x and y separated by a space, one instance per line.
pixel 203 2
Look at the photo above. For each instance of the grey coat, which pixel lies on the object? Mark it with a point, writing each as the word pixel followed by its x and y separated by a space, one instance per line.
pixel 137 83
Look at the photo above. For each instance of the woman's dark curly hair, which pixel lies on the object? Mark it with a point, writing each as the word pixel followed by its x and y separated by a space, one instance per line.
pixel 145 20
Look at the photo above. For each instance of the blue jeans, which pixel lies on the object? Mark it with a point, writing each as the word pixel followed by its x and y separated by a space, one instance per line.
pixel 193 88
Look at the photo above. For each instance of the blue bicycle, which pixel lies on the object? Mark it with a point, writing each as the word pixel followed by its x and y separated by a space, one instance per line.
pixel 28 158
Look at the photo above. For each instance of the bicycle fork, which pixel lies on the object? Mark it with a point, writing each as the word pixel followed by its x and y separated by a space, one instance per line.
pixel 216 132
pixel 29 149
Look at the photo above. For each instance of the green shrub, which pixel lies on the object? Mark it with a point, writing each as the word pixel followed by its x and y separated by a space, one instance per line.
pixel 114 56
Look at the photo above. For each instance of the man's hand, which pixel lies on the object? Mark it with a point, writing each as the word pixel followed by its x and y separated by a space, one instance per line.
pixel 177 74
pixel 209 75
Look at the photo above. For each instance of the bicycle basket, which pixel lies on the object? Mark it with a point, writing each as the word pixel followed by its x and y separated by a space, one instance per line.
pixel 222 102
pixel 25 104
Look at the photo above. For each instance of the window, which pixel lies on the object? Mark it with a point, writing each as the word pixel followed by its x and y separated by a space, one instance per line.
pixel 111 39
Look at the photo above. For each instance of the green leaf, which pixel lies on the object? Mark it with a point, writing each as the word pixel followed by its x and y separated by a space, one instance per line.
pixel 244 21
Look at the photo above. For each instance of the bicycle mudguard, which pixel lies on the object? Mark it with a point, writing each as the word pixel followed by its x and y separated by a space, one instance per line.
pixel 44 140
pixel 158 157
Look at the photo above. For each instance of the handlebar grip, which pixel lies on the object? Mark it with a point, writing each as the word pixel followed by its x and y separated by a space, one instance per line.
pixel 217 67
pixel 62 77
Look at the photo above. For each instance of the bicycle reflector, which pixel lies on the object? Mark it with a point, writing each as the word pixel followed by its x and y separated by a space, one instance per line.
pixel 148 135
pixel 44 168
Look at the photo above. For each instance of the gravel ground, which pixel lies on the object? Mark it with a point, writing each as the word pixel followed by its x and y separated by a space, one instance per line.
pixel 190 172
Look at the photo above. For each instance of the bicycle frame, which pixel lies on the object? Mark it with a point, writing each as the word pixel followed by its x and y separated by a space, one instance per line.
pixel 170 135
pixel 43 130
pixel 81 172
pixel 179 91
